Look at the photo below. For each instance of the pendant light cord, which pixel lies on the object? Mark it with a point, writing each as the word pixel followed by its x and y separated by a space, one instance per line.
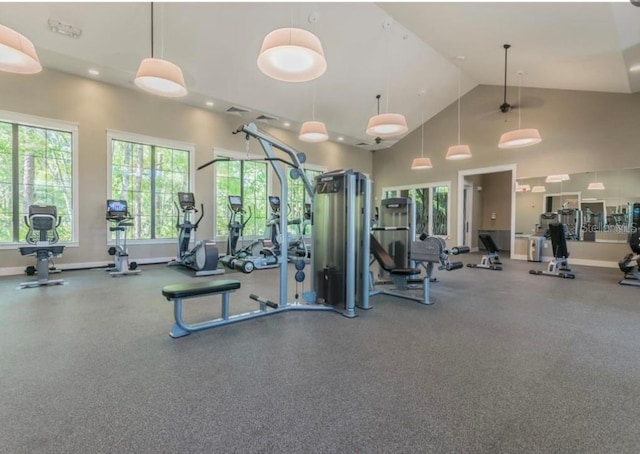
pixel 519 103
pixel 151 29
pixel 459 102
pixel 422 128
pixel 313 103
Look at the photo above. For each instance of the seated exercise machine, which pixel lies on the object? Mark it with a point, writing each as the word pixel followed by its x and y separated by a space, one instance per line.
pixel 630 264
pixel 427 252
pixel 203 257
pixel 253 256
pixel 42 235
pixel 490 260
pixel 296 248
pixel 118 214
pixel 559 265
pixel 180 292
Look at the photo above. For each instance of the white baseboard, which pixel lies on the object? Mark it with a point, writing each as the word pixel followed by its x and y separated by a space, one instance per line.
pixel 583 262
pixel 14 270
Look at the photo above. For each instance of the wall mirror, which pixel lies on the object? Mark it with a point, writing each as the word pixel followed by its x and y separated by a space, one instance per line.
pixel 594 206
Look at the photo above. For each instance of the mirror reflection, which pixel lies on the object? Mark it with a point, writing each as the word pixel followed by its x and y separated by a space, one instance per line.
pixel 601 206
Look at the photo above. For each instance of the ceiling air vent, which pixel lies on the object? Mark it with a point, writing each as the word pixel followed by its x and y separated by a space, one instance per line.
pixel 362 144
pixel 237 110
pixel 266 118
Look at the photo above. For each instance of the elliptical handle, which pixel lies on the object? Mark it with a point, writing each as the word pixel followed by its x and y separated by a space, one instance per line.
pixel 195 226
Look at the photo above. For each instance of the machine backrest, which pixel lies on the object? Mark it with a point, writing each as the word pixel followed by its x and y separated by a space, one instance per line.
pixel 634 242
pixel 381 256
pixel 558 240
pixel 42 223
pixel 488 242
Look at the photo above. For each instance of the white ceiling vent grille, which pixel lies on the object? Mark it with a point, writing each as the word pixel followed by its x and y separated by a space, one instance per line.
pixel 237 110
pixel 266 118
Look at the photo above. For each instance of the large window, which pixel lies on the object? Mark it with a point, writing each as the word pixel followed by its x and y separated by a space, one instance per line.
pixel 249 180
pixel 298 196
pixel 148 173
pixel 37 166
pixel 432 205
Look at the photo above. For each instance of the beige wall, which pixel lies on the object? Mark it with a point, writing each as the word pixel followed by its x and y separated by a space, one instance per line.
pixel 97 107
pixel 581 131
pixel 496 198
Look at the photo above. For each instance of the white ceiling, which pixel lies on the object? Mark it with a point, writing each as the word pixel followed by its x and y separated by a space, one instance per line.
pixel 582 46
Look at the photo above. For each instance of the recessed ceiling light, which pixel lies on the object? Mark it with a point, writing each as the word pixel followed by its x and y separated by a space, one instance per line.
pixel 94 72
pixel 209 103
pixel 286 124
pixel 635 68
pixel 340 138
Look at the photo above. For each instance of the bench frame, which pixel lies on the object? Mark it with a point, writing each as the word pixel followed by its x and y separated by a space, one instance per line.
pixel 180 328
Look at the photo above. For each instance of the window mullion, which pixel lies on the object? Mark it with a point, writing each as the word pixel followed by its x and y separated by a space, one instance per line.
pixel 15 181
pixel 153 191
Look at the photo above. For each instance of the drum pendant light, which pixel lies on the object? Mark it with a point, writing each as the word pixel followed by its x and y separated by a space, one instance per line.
pixel 158 76
pixel 518 138
pixel 17 53
pixel 596 185
pixel 387 124
pixel 313 131
pixel 458 152
pixel 422 162
pixel 292 55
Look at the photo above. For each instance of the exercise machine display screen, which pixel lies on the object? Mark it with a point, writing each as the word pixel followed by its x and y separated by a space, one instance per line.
pixel 274 201
pixel 235 202
pixel 117 208
pixel 187 199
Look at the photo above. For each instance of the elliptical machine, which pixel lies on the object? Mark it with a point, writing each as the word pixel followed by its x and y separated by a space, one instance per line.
pixel 203 258
pixel 630 264
pixel 118 213
pixel 296 248
pixel 253 256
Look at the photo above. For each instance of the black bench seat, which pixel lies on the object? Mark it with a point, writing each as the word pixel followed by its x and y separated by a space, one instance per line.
pixel 179 292
pixel 199 288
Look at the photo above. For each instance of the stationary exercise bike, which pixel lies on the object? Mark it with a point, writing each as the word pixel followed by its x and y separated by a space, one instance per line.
pixel 203 258
pixel 42 235
pixel 118 214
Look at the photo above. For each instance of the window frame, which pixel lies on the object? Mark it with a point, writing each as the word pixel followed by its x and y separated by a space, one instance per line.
pixel 430 186
pixel 153 141
pixel 58 125
pixel 237 156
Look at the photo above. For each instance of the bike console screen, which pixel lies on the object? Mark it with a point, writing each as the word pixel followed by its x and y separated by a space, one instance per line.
pixel 235 202
pixel 117 209
pixel 274 201
pixel 187 200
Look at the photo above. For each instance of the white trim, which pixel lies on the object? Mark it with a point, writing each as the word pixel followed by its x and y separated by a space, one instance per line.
pixel 150 140
pixel 155 142
pixel 572 261
pixel 481 171
pixel 469 210
pixel 429 185
pixel 64 126
pixel 39 122
pixel 17 270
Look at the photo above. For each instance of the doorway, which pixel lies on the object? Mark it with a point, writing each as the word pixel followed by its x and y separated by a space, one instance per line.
pixel 467 212
pixel 486 204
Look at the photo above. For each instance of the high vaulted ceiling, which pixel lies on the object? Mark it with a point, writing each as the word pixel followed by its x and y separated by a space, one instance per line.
pixel 581 46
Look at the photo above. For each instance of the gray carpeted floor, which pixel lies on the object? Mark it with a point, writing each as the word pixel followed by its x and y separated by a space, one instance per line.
pixel 503 362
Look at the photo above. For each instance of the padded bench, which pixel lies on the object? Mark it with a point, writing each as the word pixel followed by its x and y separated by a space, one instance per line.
pixel 179 292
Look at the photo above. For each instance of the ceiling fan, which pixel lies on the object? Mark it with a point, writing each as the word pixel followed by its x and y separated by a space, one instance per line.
pixel 505 106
